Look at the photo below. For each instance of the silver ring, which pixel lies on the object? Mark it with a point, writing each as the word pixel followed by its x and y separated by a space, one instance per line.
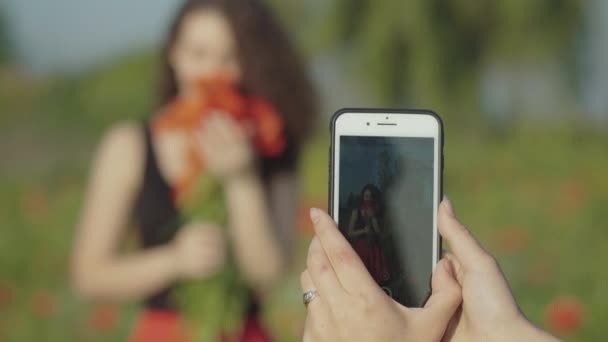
pixel 309 296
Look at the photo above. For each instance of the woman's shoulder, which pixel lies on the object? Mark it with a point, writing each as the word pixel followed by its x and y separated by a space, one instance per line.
pixel 128 129
pixel 122 150
pixel 124 137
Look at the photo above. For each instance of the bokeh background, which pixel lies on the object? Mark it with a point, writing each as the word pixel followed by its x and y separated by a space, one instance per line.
pixel 522 86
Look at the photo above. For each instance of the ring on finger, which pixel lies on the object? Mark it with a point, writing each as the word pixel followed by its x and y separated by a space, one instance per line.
pixel 309 296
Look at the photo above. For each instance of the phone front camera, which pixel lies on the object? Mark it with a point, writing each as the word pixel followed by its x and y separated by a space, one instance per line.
pixel 368 123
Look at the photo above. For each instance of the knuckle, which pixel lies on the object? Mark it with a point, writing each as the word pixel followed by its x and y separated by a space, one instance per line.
pixel 363 303
pixel 367 305
pixel 454 293
pixel 346 256
pixel 487 262
pixel 323 268
pixel 317 264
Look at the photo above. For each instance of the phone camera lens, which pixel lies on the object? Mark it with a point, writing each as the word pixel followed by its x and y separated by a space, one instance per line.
pixel 368 123
pixel 387 118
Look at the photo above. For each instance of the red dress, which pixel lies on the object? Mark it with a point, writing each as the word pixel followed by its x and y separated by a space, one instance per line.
pixel 370 251
pixel 167 326
pixel 374 259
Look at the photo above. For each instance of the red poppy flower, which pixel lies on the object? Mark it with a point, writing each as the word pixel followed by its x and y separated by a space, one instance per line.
pixel 572 196
pixel 6 295
pixel 514 239
pixel 35 205
pixel 256 116
pixel 564 315
pixel 268 125
pixel 103 317
pixel 219 95
pixel 43 304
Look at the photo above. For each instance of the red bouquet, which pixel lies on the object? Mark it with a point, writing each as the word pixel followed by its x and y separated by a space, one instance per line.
pixel 257 116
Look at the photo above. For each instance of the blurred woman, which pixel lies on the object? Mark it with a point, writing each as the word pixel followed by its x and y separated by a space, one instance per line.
pixel 236 236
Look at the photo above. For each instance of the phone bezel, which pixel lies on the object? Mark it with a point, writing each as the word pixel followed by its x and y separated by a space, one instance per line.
pixel 420 123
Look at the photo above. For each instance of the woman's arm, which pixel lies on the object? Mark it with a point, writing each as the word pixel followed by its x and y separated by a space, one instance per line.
pixel 256 245
pixel 97 269
pixel 374 224
pixel 351 225
pixel 228 154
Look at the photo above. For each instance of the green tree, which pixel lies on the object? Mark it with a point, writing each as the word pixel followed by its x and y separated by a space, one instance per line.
pixel 428 52
pixel 6 46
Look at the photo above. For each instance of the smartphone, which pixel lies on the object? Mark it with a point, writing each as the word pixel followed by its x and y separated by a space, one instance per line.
pixel 385 185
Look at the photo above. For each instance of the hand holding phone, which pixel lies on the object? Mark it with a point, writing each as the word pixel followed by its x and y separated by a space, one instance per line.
pixel 347 304
pixel 351 307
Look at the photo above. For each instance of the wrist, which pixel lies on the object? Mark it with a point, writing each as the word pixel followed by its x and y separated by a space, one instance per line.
pixel 526 331
pixel 246 175
pixel 172 256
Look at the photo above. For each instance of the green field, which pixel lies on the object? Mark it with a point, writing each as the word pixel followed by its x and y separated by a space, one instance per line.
pixel 536 197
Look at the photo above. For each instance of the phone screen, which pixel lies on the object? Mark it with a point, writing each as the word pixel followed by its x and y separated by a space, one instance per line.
pixel 385 206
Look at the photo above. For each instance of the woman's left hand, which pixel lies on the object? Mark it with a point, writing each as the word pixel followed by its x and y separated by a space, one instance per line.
pixel 350 306
pixel 225 146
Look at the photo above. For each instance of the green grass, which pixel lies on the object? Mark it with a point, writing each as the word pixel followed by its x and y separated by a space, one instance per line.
pixel 536 197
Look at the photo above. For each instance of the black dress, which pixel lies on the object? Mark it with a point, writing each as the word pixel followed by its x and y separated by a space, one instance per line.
pixel 157 218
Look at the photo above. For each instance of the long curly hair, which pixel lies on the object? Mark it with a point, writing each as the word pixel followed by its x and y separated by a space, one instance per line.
pixel 270 65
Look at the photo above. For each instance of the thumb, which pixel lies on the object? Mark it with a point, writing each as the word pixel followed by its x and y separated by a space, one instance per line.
pixel 445 299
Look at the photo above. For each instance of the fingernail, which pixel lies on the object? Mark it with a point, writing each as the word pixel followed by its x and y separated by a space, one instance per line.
pixel 449 207
pixel 315 215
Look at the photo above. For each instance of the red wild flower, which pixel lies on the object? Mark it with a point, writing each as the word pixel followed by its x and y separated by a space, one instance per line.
pixel 43 304
pixel 6 295
pixel 103 317
pixel 257 116
pixel 564 315
pixel 514 239
pixel 35 205
pixel 572 196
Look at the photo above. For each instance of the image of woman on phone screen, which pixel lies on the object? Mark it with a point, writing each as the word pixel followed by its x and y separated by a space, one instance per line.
pixel 365 230
pixel 206 183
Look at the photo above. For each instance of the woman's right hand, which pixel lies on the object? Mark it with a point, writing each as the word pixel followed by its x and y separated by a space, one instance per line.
pixel 199 250
pixel 489 311
pixel 352 307
pixel 225 147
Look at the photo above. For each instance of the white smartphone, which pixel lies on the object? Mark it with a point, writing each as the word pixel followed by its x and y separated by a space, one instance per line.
pixel 385 185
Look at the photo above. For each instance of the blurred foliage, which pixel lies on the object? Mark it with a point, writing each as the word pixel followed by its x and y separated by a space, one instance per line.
pixel 212 306
pixel 87 95
pixel 429 53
